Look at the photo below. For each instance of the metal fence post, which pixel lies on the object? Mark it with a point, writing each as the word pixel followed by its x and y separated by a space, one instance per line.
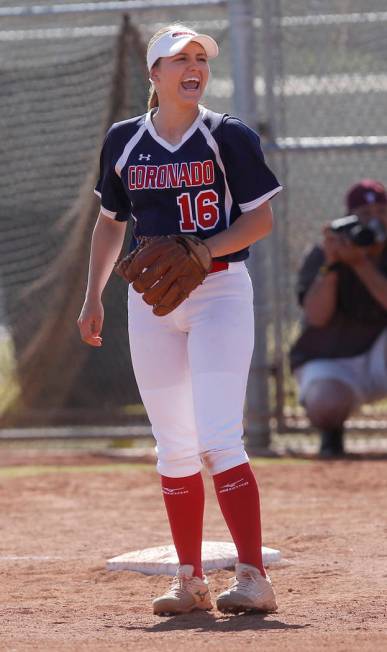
pixel 242 43
pixel 271 37
pixel 242 37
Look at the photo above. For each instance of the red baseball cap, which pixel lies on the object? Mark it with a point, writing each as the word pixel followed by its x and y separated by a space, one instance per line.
pixel 366 191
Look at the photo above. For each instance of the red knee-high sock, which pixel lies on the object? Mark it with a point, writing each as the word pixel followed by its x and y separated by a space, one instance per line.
pixel 238 497
pixel 184 501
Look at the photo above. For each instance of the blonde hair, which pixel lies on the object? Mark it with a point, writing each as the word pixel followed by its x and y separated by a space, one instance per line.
pixel 153 100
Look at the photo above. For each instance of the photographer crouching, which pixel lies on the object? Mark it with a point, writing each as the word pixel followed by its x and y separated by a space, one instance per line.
pixel 340 358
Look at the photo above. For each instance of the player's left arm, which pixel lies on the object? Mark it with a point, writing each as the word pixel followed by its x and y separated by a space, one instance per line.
pixel 248 228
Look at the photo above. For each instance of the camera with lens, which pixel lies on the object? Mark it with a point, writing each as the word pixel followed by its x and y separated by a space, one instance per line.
pixel 362 235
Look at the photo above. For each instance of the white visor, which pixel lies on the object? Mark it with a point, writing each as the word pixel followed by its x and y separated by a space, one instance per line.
pixel 174 41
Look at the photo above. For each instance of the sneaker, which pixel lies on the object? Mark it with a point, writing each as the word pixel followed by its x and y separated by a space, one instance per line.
pixel 332 443
pixel 249 591
pixel 186 594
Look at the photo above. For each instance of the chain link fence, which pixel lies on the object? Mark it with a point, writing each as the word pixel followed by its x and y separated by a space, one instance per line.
pixel 320 90
pixel 328 129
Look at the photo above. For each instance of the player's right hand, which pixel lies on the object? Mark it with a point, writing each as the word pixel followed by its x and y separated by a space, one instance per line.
pixel 90 322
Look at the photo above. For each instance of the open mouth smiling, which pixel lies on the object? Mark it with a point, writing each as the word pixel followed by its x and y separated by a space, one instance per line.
pixel 191 83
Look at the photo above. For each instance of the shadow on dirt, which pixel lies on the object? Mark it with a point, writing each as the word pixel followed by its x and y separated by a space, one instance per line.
pixel 205 622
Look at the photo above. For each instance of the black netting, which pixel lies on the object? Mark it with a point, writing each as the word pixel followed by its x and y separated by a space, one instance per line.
pixel 54 116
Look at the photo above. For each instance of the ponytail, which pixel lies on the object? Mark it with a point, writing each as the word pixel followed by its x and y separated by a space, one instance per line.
pixel 153 100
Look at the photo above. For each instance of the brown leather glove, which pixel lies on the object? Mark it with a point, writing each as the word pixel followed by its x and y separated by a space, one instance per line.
pixel 165 269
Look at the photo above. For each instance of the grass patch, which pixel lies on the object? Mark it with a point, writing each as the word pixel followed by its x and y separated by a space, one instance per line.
pixel 125 467
pixel 9 387
pixel 30 471
pixel 135 409
pixel 277 461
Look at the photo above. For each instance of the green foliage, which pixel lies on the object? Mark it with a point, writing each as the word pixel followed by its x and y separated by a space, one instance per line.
pixel 9 387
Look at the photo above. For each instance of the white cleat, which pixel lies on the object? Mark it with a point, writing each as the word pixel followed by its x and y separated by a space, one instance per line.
pixel 249 591
pixel 186 594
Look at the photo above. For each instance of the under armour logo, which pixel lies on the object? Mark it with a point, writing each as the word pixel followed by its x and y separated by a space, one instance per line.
pixel 144 157
pixel 370 197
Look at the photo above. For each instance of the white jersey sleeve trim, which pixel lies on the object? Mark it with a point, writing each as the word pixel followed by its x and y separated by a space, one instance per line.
pixel 110 214
pixel 105 211
pixel 128 148
pixel 250 205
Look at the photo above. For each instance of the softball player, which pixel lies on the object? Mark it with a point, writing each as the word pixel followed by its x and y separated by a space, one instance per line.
pixel 182 168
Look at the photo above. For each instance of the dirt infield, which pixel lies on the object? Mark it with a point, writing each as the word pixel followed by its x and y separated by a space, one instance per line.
pixel 60 524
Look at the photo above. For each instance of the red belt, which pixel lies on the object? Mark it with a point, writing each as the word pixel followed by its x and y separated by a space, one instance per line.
pixel 218 266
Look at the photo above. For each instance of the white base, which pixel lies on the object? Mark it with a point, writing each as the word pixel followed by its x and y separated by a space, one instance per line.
pixel 162 560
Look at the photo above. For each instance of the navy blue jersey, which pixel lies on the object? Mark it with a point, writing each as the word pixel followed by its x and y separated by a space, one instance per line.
pixel 199 186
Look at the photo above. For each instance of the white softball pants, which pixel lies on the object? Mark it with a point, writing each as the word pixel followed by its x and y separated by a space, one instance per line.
pixel 191 367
